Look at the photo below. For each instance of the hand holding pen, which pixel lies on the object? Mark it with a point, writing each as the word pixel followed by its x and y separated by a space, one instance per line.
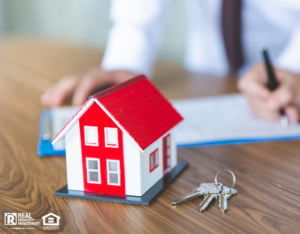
pixel 272 85
pixel 266 103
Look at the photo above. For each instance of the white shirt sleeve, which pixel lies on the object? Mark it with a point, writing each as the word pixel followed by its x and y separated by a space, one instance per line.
pixel 135 35
pixel 289 58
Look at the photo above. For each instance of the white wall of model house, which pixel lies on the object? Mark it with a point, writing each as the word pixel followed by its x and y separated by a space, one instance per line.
pixel 74 158
pixel 138 177
pixel 132 164
pixel 148 178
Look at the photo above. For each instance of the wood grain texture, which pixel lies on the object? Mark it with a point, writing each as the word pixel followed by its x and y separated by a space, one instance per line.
pixel 274 162
pixel 267 174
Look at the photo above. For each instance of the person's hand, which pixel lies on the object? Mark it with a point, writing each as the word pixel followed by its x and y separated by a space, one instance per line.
pixel 81 86
pixel 266 104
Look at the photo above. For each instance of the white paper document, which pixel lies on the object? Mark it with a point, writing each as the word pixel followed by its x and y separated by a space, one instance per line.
pixel 225 119
pixel 217 120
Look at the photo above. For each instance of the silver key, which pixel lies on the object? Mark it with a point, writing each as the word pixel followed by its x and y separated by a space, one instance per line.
pixel 204 189
pixel 223 204
pixel 227 190
pixel 206 201
pixel 211 191
pixel 224 196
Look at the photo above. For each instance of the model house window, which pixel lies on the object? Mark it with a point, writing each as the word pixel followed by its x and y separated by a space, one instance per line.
pixel 93 170
pixel 153 160
pixel 91 135
pixel 113 172
pixel 111 137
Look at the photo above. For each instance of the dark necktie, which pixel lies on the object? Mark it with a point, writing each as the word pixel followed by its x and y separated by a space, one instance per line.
pixel 231 29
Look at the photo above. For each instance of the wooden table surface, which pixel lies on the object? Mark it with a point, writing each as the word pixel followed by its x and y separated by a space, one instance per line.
pixel 267 174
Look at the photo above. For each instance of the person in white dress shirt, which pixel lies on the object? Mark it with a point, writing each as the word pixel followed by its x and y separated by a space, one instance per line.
pixel 136 34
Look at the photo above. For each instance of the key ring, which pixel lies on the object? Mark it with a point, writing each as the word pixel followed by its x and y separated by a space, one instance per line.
pixel 234 180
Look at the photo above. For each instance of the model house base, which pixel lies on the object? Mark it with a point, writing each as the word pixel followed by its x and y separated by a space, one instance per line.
pixel 145 200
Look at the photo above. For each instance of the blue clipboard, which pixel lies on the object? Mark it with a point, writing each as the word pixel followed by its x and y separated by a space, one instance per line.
pixel 237 141
pixel 45 147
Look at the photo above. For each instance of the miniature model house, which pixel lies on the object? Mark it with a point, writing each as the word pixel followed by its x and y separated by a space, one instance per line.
pixel 121 141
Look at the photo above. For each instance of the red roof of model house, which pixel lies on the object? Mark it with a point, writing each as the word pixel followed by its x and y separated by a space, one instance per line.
pixel 137 107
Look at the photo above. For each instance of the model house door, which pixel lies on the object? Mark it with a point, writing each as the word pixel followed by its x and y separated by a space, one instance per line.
pixel 167 153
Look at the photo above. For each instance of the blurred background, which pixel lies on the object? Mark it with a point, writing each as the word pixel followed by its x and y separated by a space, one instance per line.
pixel 83 22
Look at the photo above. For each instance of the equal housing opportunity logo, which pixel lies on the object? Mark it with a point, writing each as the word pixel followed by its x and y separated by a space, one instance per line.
pixel 51 222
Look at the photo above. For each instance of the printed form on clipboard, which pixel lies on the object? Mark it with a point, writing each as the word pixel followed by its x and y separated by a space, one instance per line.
pixel 217 120
pixel 226 119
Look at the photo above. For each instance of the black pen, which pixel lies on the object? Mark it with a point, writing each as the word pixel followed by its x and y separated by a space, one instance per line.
pixel 272 85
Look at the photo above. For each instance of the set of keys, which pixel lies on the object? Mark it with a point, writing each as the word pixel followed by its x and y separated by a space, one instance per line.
pixel 210 191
